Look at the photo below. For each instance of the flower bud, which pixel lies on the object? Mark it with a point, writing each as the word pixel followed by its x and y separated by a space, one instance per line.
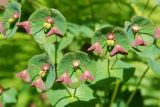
pixel 47 25
pixel 110 43
pixel 26 25
pixel 24 76
pixel 76 63
pixel 38 83
pixel 138 41
pixel 86 76
pixel 65 79
pixel 118 49
pixel 96 47
pixel 46 67
pixel 42 73
pixel 11 20
pixel 54 30
pixel 135 28
pixel 110 36
pixel 49 20
pixel 15 16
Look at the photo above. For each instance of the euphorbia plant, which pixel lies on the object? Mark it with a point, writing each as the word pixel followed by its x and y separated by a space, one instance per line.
pixel 79 78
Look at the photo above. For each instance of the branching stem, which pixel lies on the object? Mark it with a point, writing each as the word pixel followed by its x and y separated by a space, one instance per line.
pixel 139 82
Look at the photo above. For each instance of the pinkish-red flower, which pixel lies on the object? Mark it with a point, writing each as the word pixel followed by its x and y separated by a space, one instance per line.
pixel 118 49
pixel 24 75
pixel 157 33
pixel 26 25
pixel 138 42
pixel 96 47
pixel 86 76
pixel 49 20
pixel 65 78
pixel 54 30
pixel 45 67
pixel 16 15
pixel 38 83
pixel 110 36
pixel 135 28
pixel 2 30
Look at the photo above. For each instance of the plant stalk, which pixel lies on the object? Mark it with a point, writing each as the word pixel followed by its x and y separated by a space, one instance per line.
pixel 108 69
pixel 139 82
pixel 68 91
pixel 74 94
pixel 153 9
pixel 115 92
pixel 56 51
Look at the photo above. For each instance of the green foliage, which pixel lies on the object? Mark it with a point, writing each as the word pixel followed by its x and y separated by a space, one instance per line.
pixel 10 28
pixel 76 77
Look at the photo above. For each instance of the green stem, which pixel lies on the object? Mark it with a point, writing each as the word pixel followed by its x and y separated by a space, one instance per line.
pixel 153 9
pixel 139 82
pixel 74 94
pixel 146 5
pixel 56 51
pixel 113 64
pixel 108 69
pixel 68 91
pixel 115 92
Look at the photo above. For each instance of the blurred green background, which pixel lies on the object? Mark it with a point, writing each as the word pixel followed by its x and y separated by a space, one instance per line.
pixel 85 16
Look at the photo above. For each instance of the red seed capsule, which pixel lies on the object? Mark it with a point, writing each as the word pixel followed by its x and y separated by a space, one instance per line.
pixel 24 75
pixel 65 78
pixel 26 25
pixel 86 76
pixel 96 47
pixel 38 83
pixel 118 49
pixel 139 42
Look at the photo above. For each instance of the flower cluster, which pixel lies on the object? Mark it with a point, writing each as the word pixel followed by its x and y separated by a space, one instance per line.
pixel 38 82
pixel 47 25
pixel 65 78
pixel 111 45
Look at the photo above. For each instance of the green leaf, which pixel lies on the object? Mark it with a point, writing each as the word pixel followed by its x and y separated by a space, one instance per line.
pixel 86 31
pixel 11 8
pixel 37 20
pixel 34 67
pixel 120 36
pixel 84 93
pixel 154 65
pixel 55 96
pixel 60 97
pixel 59 20
pixel 157 2
pixel 74 29
pixel 9 96
pixel 146 31
pixel 50 49
pixel 66 41
pixel 65 64
pixel 120 69
pixel 150 52
pixel 141 21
